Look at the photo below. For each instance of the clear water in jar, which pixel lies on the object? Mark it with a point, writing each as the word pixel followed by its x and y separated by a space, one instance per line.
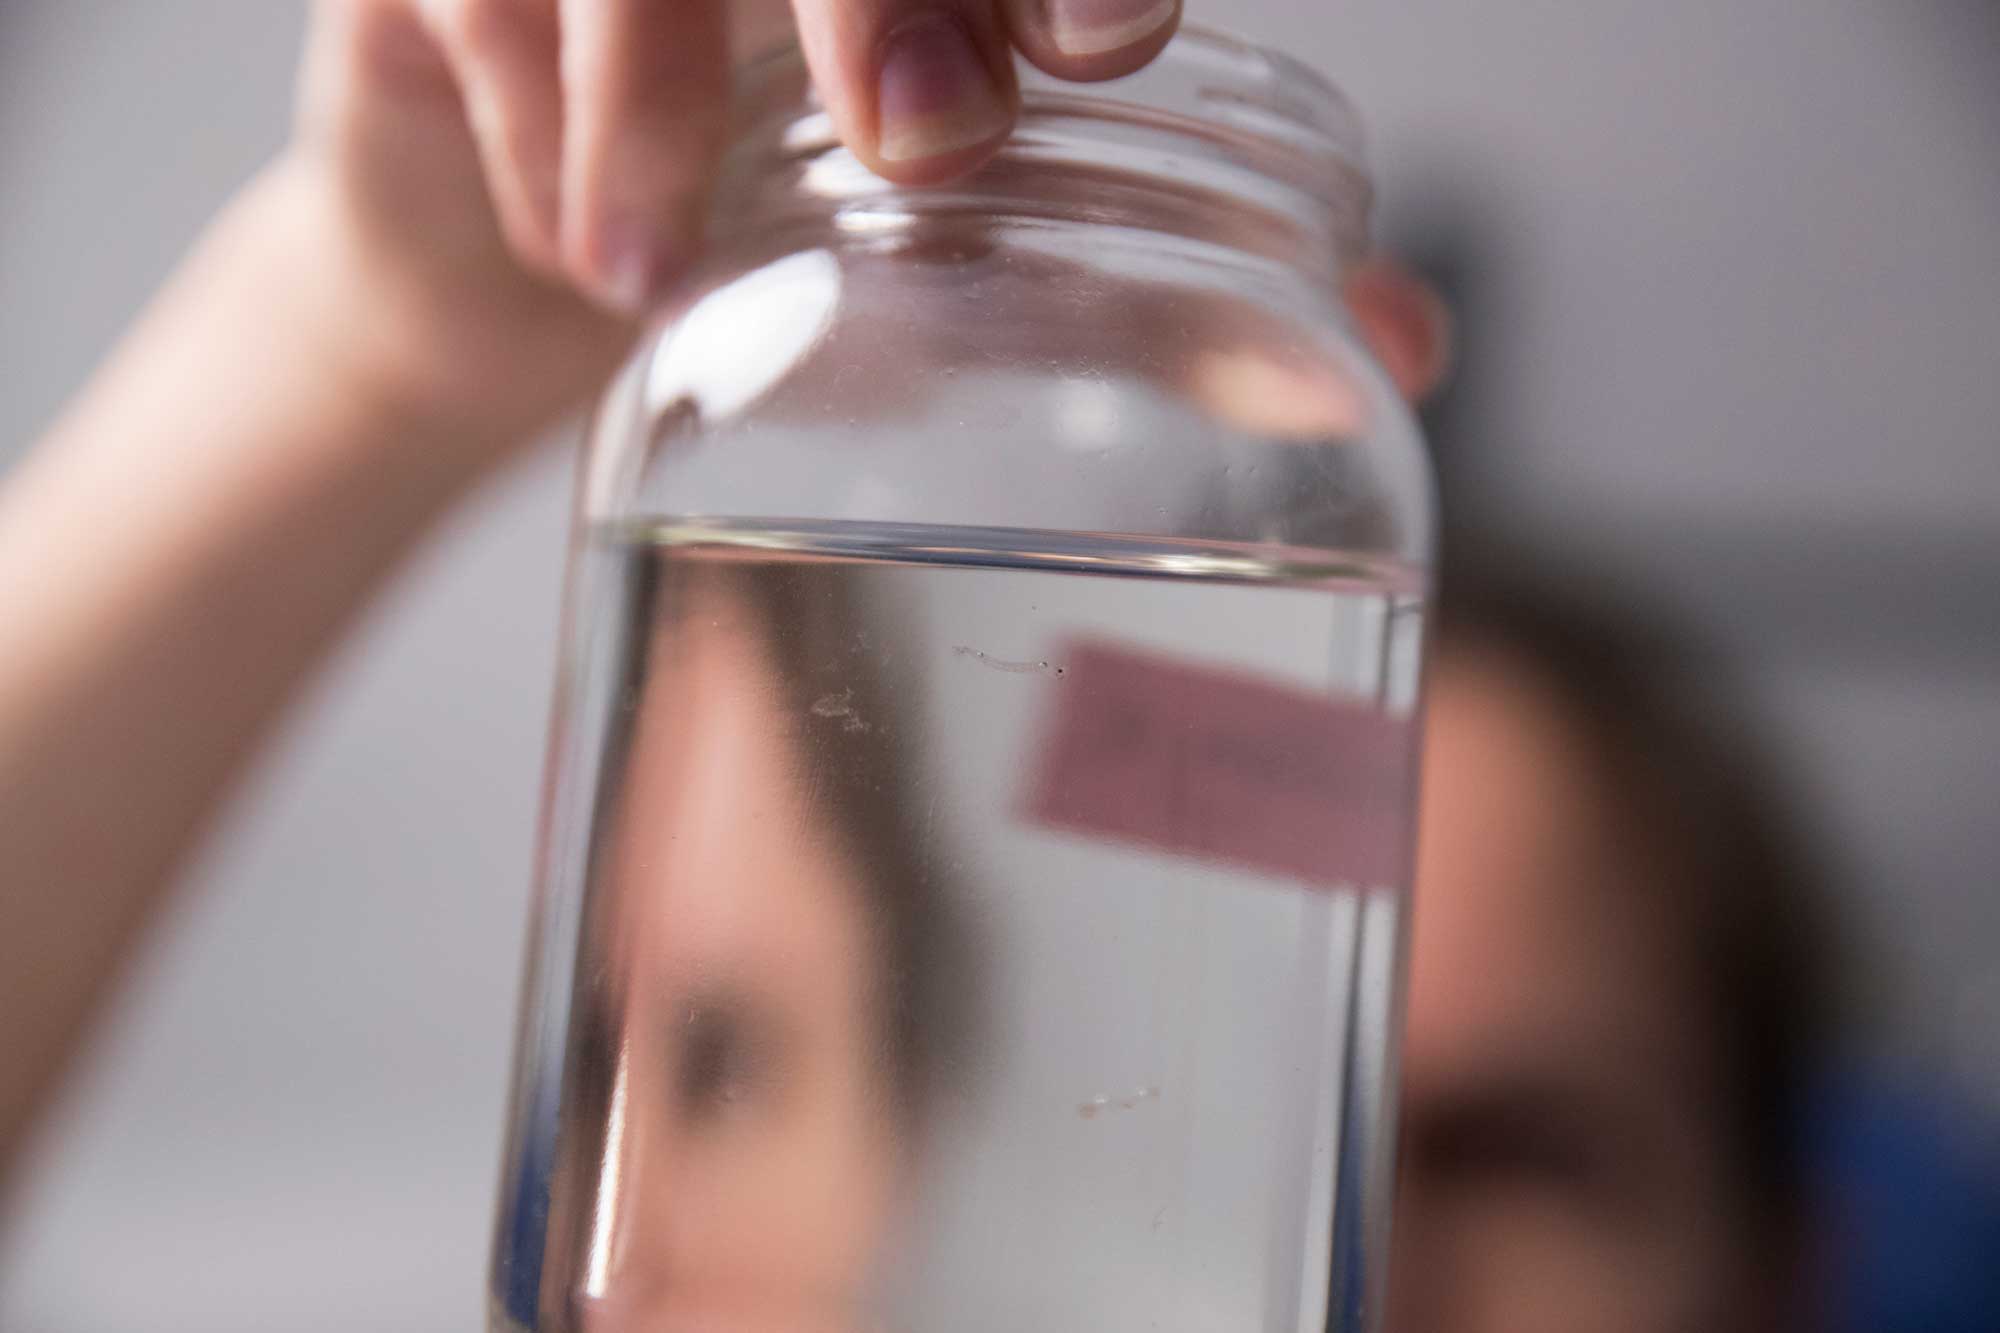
pixel 981 931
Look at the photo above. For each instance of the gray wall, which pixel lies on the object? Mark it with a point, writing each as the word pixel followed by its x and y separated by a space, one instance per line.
pixel 1732 307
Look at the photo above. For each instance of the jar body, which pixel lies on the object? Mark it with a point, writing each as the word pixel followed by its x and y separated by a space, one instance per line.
pixel 980 804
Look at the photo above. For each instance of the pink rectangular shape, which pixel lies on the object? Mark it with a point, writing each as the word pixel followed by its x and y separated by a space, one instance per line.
pixel 1224 766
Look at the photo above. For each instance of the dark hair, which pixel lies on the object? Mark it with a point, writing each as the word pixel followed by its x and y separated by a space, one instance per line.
pixel 858 726
pixel 851 727
pixel 1664 727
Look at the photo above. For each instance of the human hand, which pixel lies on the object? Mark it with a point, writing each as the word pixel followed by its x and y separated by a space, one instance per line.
pixel 510 183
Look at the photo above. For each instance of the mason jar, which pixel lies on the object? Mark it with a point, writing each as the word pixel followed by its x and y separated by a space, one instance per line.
pixel 973 879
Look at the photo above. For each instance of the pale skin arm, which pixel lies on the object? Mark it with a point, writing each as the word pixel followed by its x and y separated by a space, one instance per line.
pixel 480 195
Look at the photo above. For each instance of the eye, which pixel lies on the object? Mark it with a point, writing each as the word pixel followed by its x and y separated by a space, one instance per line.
pixel 1539 1155
pixel 724 1060
pixel 707 1053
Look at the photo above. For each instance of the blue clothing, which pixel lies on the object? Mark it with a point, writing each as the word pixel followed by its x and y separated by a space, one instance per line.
pixel 1912 1195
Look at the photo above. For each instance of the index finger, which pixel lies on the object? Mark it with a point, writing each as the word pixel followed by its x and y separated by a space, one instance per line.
pixel 645 86
pixel 920 90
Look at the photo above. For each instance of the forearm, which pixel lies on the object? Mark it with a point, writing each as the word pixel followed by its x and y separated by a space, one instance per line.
pixel 173 560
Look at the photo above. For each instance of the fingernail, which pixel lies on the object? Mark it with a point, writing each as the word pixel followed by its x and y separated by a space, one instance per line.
pixel 937 95
pixel 1092 27
pixel 625 270
pixel 634 263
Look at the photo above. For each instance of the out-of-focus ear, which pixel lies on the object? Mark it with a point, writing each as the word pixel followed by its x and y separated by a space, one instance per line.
pixel 1407 326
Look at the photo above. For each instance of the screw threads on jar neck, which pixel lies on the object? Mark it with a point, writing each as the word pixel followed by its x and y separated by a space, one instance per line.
pixel 1217 142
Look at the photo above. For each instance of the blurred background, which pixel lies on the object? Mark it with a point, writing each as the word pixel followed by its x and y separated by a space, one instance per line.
pixel 1728 278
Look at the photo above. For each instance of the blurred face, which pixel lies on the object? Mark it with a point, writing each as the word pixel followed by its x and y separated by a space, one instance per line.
pixel 1563 1159
pixel 1563 1153
pixel 750 1153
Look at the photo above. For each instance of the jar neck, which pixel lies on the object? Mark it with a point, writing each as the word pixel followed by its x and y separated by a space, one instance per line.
pixel 1218 143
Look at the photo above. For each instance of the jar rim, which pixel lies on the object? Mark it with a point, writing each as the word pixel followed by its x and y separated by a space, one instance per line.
pixel 1232 80
pixel 1273 93
pixel 1256 132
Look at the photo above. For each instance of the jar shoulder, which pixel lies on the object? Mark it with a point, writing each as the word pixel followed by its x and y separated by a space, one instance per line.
pixel 1041 383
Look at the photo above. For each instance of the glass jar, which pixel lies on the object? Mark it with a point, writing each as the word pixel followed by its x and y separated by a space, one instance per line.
pixel 980 804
